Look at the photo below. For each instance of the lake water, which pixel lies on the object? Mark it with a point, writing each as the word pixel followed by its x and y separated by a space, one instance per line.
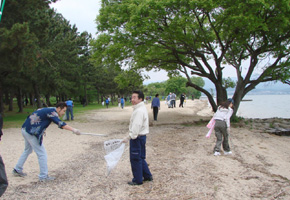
pixel 265 106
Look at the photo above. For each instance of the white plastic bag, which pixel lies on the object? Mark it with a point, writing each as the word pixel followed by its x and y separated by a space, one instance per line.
pixel 114 151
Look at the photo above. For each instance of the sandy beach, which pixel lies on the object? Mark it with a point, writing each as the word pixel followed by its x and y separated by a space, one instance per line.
pixel 179 155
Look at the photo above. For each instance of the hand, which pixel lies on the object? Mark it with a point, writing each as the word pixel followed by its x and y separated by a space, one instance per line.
pixel 126 139
pixel 228 130
pixel 76 131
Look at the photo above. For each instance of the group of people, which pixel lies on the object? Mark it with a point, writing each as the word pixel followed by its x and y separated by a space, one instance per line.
pixel 35 125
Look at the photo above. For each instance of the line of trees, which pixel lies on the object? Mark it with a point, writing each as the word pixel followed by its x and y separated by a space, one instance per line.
pixel 43 55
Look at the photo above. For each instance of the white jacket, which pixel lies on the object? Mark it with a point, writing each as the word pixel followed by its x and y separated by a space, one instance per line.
pixel 224 115
pixel 139 122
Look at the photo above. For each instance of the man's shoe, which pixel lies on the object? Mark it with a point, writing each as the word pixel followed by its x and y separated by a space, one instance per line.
pixel 217 153
pixel 134 183
pixel 48 178
pixel 228 153
pixel 18 173
pixel 148 179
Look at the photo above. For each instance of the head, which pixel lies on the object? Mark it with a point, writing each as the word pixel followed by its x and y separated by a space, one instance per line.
pixel 137 97
pixel 228 103
pixel 231 102
pixel 157 95
pixel 61 108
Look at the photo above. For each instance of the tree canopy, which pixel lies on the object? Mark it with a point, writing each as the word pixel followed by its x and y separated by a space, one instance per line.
pixel 202 38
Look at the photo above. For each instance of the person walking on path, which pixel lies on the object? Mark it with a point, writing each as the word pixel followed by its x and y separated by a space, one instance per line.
pixel 69 110
pixel 122 102
pixel 182 97
pixel 138 129
pixel 168 100
pixel 172 98
pixel 107 102
pixel 222 126
pixel 33 130
pixel 155 105
pixel 3 176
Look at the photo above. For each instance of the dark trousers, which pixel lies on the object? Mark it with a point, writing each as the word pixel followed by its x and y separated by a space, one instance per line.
pixel 155 112
pixel 69 111
pixel 137 158
pixel 3 178
pixel 173 103
pixel 181 102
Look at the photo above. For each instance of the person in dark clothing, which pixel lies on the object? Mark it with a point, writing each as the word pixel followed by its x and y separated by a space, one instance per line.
pixel 3 176
pixel 155 105
pixel 182 97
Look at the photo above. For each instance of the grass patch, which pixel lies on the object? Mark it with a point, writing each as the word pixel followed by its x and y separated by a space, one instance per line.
pixel 14 119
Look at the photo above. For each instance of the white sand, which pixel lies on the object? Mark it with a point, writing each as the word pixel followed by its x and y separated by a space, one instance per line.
pixel 179 156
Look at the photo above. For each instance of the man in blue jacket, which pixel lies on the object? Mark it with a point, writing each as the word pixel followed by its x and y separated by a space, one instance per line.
pixel 33 130
pixel 155 105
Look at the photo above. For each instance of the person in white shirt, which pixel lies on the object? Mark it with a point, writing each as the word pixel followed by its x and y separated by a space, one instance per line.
pixel 222 126
pixel 138 129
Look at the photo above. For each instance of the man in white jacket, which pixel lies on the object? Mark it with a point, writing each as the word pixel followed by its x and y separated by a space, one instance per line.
pixel 138 129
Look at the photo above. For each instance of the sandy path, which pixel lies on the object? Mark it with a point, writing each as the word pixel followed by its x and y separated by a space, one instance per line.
pixel 179 156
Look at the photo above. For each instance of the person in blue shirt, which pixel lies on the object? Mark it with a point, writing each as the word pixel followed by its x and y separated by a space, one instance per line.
pixel 3 176
pixel 107 102
pixel 69 110
pixel 155 105
pixel 122 102
pixel 33 130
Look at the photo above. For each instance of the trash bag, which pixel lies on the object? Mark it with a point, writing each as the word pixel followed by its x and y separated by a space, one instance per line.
pixel 114 151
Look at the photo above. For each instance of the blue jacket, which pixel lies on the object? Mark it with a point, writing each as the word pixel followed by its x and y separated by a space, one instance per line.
pixel 39 120
pixel 155 102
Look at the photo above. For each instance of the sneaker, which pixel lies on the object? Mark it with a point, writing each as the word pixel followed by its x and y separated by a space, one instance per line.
pixel 148 179
pixel 134 183
pixel 217 153
pixel 48 178
pixel 228 153
pixel 18 173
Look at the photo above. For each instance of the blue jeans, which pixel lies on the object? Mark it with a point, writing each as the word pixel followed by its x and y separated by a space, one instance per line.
pixel 69 110
pixel 137 158
pixel 31 143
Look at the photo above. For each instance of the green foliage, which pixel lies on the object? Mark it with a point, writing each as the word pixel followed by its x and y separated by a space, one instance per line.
pixel 185 36
pixel 176 84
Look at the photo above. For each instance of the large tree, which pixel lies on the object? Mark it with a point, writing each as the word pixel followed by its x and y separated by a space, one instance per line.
pixel 202 38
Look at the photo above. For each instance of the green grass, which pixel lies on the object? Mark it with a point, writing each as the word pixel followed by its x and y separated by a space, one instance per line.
pixel 14 119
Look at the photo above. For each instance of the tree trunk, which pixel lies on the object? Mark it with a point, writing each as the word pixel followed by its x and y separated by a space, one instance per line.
pixel 37 96
pixel 11 101
pixel 6 93
pixel 47 99
pixel 19 101
pixel 86 95
pixel 31 99
pixel 1 99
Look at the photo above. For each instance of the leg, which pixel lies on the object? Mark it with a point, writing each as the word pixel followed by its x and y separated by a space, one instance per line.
pixel 146 172
pixel 25 154
pixel 71 113
pixel 3 178
pixel 40 152
pixel 226 145
pixel 218 135
pixel 136 161
pixel 67 114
